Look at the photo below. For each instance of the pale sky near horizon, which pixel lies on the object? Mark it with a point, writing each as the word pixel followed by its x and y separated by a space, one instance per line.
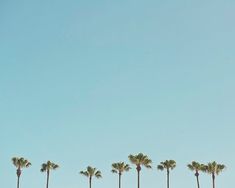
pixel 90 82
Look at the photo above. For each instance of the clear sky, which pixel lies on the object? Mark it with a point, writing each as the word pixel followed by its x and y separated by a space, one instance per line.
pixel 90 82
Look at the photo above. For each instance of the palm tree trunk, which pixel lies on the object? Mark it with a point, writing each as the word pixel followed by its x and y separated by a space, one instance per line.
pixel 48 174
pixel 213 180
pixel 198 185
pixel 120 180
pixel 18 173
pixel 138 179
pixel 18 181
pixel 168 178
pixel 90 182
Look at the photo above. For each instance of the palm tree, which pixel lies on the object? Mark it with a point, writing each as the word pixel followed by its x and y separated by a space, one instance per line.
pixel 19 163
pixel 120 168
pixel 168 165
pixel 90 172
pixel 140 160
pixel 214 169
pixel 47 167
pixel 196 167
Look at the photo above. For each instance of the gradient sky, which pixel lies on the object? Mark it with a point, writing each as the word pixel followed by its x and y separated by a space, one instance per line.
pixel 90 82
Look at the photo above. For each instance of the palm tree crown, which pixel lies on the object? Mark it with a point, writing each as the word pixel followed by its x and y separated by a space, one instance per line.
pixel 214 168
pixel 49 166
pixel 120 167
pixel 90 172
pixel 139 160
pixel 194 166
pixel 168 165
pixel 20 162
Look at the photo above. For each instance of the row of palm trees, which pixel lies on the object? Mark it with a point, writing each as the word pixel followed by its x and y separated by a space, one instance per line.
pixel 140 160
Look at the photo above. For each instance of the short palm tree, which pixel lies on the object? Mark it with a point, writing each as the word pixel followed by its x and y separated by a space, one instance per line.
pixel 140 160
pixel 47 167
pixel 214 169
pixel 119 168
pixel 90 173
pixel 196 167
pixel 19 163
pixel 167 165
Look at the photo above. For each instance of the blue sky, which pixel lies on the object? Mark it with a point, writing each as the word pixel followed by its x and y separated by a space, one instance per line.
pixel 90 82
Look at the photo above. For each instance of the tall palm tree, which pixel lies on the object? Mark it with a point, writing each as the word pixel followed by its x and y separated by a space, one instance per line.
pixel 168 165
pixel 214 169
pixel 119 168
pixel 47 167
pixel 90 173
pixel 140 160
pixel 196 167
pixel 19 163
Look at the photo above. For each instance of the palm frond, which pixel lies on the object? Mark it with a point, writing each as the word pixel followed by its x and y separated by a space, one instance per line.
pixel 114 171
pixel 160 167
pixel 85 173
pixel 98 174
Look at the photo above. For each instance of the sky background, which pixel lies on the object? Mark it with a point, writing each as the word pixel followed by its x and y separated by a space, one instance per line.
pixel 90 82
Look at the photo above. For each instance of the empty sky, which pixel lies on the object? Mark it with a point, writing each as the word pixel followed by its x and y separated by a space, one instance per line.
pixel 90 82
